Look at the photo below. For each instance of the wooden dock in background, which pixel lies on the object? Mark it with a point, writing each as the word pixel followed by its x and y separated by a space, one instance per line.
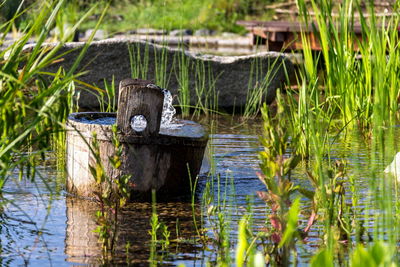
pixel 286 36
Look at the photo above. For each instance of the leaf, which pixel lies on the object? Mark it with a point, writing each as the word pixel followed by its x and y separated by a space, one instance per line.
pixel 291 163
pixel 312 179
pixel 310 221
pixel 307 193
pixel 362 258
pixel 269 183
pixel 242 243
pixel 323 258
pixel 379 254
pixel 275 222
pixel 291 226
pixel 271 199
pixel 263 195
pixel 262 177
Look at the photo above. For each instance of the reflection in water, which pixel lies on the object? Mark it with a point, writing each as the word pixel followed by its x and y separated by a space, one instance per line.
pixel 31 230
pixel 82 245
pixel 81 242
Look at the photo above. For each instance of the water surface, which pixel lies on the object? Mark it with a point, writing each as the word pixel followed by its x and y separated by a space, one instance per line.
pixel 42 225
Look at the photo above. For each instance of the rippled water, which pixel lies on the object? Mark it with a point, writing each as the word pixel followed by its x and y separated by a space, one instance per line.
pixel 41 225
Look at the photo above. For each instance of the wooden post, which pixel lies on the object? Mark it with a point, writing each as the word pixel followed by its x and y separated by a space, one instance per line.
pixel 139 97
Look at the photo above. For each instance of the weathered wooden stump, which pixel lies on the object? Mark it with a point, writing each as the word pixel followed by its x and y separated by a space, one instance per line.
pixel 164 159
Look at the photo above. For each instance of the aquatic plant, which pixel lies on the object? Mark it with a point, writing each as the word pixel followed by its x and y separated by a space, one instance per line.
pixel 183 77
pixel 245 251
pixel 112 195
pixel 161 73
pixel 107 98
pixel 353 95
pixel 157 229
pixel 262 72
pixel 139 61
pixel 206 94
pixel 277 160
pixel 355 90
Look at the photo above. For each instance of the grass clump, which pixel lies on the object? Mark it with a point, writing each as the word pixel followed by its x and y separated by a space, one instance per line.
pixel 220 15
pixel 34 103
pixel 350 94
pixel 356 91
pixel 32 108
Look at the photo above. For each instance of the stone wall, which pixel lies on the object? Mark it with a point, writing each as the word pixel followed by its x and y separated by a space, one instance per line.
pixel 231 76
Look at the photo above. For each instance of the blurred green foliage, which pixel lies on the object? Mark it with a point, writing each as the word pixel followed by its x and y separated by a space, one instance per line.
pixel 126 15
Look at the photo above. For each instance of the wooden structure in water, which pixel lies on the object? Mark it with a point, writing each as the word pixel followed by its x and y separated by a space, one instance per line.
pixel 155 158
pixel 285 36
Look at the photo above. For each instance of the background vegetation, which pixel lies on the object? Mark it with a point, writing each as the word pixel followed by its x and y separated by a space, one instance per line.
pixel 125 15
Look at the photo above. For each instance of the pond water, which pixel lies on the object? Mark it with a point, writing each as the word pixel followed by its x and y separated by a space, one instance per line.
pixel 42 225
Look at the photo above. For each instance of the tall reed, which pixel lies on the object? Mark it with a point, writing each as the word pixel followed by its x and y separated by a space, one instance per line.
pixel 259 84
pixel 139 60
pixel 351 92
pixel 206 94
pixel 162 74
pixel 356 89
pixel 183 77
pixel 34 103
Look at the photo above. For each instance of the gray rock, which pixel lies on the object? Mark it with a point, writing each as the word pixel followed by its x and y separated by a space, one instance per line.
pixel 149 32
pixel 230 35
pixel 59 34
pixel 11 36
pixel 183 32
pixel 110 58
pixel 204 32
pixel 99 35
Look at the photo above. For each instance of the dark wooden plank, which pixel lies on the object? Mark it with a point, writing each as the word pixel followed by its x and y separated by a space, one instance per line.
pixel 139 97
pixel 284 35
